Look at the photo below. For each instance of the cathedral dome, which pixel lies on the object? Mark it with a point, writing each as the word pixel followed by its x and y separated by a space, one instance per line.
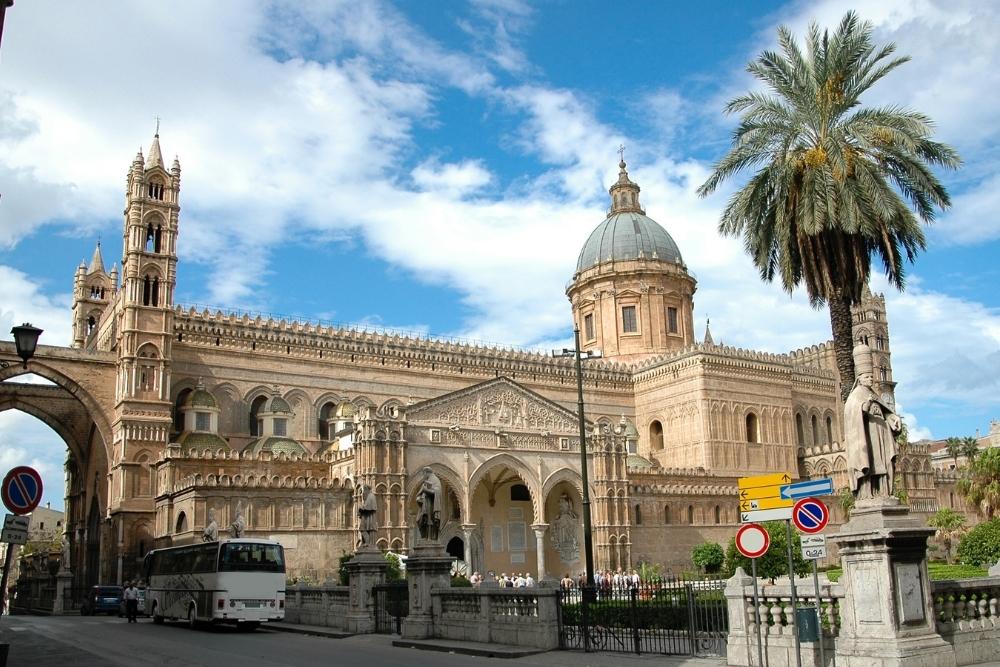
pixel 277 404
pixel 200 398
pixel 627 233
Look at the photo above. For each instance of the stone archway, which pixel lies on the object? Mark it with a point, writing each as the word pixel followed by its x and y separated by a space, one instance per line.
pixel 504 502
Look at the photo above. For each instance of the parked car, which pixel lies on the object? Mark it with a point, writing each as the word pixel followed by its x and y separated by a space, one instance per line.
pixel 140 609
pixel 102 600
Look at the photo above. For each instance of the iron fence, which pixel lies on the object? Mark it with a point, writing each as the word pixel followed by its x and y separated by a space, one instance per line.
pixel 672 617
pixel 392 604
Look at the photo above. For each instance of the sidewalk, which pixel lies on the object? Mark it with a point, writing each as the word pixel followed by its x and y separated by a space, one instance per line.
pixel 524 655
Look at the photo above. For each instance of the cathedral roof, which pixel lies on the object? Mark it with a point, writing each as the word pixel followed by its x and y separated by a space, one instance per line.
pixel 627 233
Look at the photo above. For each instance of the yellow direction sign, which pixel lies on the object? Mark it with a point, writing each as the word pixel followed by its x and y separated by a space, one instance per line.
pixel 760 497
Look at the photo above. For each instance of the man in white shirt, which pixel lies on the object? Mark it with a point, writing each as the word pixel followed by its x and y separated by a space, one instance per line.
pixel 529 581
pixel 131 601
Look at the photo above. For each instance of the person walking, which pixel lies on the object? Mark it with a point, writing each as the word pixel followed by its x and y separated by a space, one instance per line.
pixel 131 601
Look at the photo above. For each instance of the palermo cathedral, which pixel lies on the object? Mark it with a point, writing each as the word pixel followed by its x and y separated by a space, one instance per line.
pixel 173 414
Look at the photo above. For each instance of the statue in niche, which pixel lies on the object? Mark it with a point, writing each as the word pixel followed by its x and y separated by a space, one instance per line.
pixel 211 532
pixel 239 524
pixel 870 430
pixel 367 511
pixel 429 500
pixel 563 533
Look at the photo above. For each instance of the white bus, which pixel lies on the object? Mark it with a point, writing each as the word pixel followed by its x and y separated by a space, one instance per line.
pixel 240 581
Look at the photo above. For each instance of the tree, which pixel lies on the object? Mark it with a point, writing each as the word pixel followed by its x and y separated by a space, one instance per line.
pixel 980 484
pixel 775 562
pixel 981 545
pixel 834 178
pixel 970 448
pixel 950 526
pixel 708 556
pixel 846 500
pixel 954 447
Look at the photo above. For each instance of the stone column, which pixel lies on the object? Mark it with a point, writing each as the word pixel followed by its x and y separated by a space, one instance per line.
pixel 428 567
pixel 367 569
pixel 63 581
pixel 467 530
pixel 540 529
pixel 887 614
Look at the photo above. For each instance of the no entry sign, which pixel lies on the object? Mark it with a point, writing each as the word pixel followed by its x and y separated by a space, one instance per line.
pixel 752 540
pixel 810 515
pixel 21 490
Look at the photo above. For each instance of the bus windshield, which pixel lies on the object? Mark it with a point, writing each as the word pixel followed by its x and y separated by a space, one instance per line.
pixel 244 557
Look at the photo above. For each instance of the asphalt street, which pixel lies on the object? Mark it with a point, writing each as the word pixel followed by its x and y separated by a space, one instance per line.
pixel 51 641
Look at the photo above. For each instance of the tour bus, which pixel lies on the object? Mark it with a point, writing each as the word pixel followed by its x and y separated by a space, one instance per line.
pixel 239 581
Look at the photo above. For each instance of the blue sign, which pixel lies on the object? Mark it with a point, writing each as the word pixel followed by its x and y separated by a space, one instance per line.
pixel 810 515
pixel 21 490
pixel 807 489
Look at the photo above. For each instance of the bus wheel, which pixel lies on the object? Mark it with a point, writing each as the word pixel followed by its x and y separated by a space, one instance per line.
pixel 156 617
pixel 192 618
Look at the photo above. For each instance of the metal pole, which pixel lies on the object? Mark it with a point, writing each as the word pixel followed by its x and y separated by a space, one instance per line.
pixel 795 602
pixel 819 616
pixel 756 612
pixel 588 540
pixel 4 602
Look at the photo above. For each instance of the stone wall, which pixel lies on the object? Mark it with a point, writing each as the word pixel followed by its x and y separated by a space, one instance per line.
pixel 325 606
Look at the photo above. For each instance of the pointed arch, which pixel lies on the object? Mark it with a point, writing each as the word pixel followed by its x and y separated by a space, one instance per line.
pixel 447 476
pixel 523 471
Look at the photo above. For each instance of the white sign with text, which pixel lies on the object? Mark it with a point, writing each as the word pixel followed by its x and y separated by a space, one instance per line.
pixel 813 547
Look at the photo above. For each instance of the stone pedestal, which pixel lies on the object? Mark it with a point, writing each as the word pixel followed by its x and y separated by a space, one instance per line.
pixel 887 615
pixel 429 566
pixel 366 569
pixel 64 581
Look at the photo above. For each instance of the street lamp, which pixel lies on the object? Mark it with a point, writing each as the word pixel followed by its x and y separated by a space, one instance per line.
pixel 26 340
pixel 588 539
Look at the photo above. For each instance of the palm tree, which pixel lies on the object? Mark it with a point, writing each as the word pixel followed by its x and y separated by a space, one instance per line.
pixel 970 448
pixel 834 178
pixel 950 526
pixel 954 447
pixel 980 484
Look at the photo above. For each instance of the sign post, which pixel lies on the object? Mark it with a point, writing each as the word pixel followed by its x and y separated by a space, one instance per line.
pixel 21 492
pixel 753 542
pixel 795 599
pixel 811 516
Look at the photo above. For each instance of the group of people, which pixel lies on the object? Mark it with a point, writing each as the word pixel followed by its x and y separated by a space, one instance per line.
pixel 503 580
pixel 605 580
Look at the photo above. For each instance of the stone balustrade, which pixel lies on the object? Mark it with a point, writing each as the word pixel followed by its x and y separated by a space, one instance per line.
pixel 967 613
pixel 317 605
pixel 523 616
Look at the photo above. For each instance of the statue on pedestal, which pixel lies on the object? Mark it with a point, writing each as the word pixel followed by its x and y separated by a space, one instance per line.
pixel 367 511
pixel 211 532
pixel 239 524
pixel 429 499
pixel 870 430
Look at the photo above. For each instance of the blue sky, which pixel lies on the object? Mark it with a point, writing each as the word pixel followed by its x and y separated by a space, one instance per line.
pixel 435 167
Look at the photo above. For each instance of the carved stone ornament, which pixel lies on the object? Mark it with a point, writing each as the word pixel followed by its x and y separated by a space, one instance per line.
pixel 563 532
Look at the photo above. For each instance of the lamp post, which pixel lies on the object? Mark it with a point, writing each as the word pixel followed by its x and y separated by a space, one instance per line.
pixel 26 340
pixel 588 539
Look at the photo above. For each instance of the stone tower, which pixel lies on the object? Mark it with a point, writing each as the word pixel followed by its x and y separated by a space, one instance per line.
pixel 93 290
pixel 871 327
pixel 632 295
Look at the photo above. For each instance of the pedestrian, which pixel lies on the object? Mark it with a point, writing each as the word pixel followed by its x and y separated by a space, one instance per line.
pixel 529 581
pixel 131 601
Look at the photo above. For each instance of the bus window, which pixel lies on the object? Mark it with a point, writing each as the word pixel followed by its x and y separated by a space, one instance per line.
pixel 248 557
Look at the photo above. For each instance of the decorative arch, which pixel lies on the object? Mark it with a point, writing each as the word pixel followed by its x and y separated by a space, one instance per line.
pixel 447 476
pixel 655 429
pixel 567 475
pixel 518 466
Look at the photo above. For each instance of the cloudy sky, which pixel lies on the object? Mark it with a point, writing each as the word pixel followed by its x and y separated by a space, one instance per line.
pixel 436 167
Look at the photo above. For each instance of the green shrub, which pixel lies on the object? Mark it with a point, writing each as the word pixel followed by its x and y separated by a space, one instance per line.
pixel 395 572
pixel 459 581
pixel 667 611
pixel 774 563
pixel 981 545
pixel 709 556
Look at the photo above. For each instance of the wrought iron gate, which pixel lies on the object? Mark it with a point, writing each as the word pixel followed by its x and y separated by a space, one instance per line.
pixel 673 617
pixel 392 604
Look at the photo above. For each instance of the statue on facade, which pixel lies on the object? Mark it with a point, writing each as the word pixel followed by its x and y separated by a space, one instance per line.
pixel 239 524
pixel 563 533
pixel 367 517
pixel 211 532
pixel 64 562
pixel 429 499
pixel 870 430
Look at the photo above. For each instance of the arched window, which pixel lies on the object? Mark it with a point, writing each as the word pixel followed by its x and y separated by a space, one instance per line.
pixel 690 514
pixel 146 290
pixel 91 324
pixel 829 430
pixel 182 523
pixel 800 433
pixel 656 436
pixel 638 515
pixel 520 493
pixel 326 413
pixel 666 514
pixel 148 369
pixel 155 292
pixel 753 432
pixel 815 430
pixel 256 425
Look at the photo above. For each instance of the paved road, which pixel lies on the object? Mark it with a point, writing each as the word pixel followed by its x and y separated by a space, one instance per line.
pixel 52 641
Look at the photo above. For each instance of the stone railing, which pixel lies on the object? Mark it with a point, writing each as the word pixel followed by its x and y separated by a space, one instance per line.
pixel 777 621
pixel 317 605
pixel 968 617
pixel 525 617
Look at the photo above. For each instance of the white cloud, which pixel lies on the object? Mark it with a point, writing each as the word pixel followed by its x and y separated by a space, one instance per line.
pixel 25 440
pixel 23 300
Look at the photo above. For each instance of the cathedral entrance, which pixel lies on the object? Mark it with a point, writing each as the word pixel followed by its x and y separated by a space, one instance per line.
pixel 503 507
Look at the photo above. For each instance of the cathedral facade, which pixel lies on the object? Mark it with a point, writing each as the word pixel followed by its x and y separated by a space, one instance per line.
pixel 197 412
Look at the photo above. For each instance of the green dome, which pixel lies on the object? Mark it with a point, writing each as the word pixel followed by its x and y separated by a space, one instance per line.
pixel 200 398
pixel 276 445
pixel 200 441
pixel 277 404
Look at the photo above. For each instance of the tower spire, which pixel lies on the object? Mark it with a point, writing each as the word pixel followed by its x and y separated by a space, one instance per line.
pixel 708 333
pixel 155 158
pixel 96 262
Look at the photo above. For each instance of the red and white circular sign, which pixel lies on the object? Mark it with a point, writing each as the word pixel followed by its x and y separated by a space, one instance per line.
pixel 810 515
pixel 752 540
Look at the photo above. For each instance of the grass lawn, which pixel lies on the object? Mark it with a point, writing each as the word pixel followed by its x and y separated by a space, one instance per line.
pixel 938 570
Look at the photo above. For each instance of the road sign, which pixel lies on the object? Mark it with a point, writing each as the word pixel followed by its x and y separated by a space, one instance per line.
pixel 760 498
pixel 22 490
pixel 807 489
pixel 752 540
pixel 810 515
pixel 15 529
pixel 813 547
pixel 779 514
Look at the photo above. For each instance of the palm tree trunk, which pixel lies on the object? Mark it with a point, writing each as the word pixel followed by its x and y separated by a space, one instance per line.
pixel 839 305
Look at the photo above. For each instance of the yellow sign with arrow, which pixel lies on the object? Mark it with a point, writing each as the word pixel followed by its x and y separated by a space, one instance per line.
pixel 760 498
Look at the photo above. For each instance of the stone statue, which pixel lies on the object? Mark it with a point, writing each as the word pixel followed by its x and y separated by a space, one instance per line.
pixel 366 517
pixel 429 499
pixel 64 563
pixel 563 534
pixel 211 532
pixel 870 429
pixel 239 524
